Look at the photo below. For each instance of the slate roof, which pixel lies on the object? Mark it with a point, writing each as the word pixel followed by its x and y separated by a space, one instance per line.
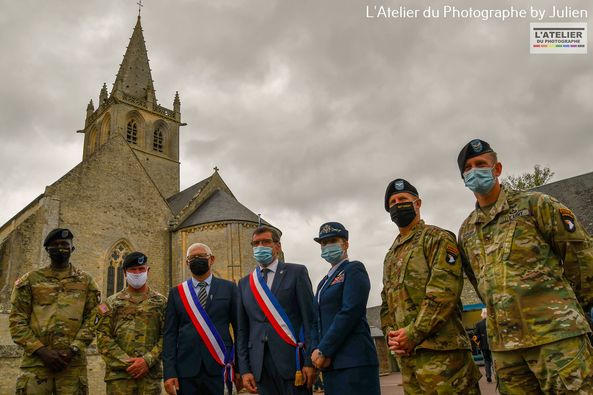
pixel 577 194
pixel 181 199
pixel 220 206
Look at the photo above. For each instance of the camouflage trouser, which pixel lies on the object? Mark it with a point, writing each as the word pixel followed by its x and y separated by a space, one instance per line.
pixel 562 367
pixel 440 372
pixel 145 386
pixel 41 381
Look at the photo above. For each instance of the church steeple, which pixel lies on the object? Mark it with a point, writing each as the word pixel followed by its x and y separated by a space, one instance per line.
pixel 132 111
pixel 134 78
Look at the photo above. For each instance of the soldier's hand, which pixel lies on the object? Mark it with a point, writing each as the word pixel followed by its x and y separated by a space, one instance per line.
pixel 66 355
pixel 138 368
pixel 238 382
pixel 51 359
pixel 249 383
pixel 172 386
pixel 391 342
pixel 404 345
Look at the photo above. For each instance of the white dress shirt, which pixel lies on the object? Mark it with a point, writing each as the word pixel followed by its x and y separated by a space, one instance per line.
pixel 273 267
pixel 208 281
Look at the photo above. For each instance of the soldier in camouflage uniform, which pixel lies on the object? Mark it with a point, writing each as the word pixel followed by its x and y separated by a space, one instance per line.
pixel 130 333
pixel 52 319
pixel 421 311
pixel 531 261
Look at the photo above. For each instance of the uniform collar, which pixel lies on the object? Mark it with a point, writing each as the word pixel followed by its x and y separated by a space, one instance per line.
pixel 48 271
pixel 501 204
pixel 124 294
pixel 415 229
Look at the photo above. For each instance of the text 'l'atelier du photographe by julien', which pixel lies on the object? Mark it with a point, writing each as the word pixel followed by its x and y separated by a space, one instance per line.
pixel 452 12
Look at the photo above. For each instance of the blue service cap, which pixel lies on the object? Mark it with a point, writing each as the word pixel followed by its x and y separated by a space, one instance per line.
pixel 331 229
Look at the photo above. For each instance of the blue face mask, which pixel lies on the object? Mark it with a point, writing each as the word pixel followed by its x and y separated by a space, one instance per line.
pixel 479 180
pixel 263 255
pixel 332 253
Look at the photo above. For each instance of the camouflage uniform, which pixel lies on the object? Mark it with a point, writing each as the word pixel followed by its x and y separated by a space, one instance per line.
pixel 131 326
pixel 422 283
pixel 53 308
pixel 532 263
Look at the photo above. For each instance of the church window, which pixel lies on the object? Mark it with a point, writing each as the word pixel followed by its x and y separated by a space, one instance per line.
pixel 157 141
pixel 132 132
pixel 115 272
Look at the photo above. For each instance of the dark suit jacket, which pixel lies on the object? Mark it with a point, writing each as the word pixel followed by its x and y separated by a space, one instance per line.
pixel 340 329
pixel 292 288
pixel 184 353
pixel 482 335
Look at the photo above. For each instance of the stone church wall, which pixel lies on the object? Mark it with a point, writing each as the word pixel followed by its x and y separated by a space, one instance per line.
pixel 109 198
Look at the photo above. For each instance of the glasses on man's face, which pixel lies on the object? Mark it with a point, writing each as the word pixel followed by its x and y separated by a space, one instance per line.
pixel 200 256
pixel 262 242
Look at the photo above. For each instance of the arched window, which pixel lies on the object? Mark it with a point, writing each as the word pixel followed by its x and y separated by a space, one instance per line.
pixel 92 141
pixel 105 129
pixel 115 271
pixel 157 140
pixel 132 132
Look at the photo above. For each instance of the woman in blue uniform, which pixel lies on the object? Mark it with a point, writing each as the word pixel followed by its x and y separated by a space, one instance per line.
pixel 341 339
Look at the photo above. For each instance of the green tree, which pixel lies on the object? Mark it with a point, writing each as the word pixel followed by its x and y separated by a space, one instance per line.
pixel 539 176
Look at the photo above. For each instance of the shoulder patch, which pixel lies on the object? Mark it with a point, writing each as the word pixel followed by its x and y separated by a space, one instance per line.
pixel 452 253
pixel 568 220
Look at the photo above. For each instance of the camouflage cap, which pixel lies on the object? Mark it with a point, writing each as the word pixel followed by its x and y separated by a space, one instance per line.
pixel 398 185
pixel 475 147
pixel 58 234
pixel 135 259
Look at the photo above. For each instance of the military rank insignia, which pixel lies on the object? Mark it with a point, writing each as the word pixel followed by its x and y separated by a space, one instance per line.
pixel 568 219
pixel 452 253
pixel 338 279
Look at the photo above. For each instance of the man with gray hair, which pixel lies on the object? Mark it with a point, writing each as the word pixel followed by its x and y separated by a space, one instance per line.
pixel 198 348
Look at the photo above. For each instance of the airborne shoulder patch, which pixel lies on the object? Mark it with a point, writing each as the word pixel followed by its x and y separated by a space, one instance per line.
pixel 568 219
pixel 452 253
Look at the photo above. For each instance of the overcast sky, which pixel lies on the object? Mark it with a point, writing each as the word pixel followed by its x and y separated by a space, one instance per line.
pixel 309 108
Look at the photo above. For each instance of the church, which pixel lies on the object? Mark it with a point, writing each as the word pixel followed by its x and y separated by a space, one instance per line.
pixel 125 196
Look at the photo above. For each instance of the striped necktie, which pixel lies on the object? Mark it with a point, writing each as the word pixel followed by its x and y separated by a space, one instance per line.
pixel 202 295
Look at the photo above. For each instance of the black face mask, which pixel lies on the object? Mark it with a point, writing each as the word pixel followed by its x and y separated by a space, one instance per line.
pixel 402 214
pixel 59 256
pixel 199 266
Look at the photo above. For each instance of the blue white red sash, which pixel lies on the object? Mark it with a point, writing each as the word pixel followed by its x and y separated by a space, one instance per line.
pixel 276 315
pixel 207 331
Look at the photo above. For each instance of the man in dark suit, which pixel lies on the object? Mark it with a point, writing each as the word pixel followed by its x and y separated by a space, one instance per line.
pixel 267 361
pixel 482 336
pixel 189 366
pixel 341 338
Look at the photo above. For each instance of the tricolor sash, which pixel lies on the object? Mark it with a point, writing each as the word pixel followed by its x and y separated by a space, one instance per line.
pixel 277 317
pixel 208 332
